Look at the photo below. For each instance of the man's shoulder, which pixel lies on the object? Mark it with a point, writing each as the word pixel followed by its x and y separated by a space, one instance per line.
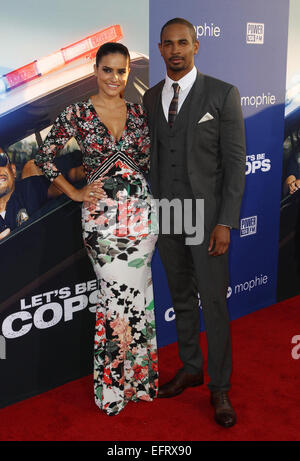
pixel 34 181
pixel 31 184
pixel 156 89
pixel 216 83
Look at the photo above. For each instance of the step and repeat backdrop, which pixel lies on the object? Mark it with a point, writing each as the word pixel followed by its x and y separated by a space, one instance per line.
pixel 244 43
pixel 48 290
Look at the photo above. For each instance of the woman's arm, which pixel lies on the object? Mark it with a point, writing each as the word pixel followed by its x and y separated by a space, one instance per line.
pixel 30 169
pixel 63 129
pixel 143 157
pixel 89 193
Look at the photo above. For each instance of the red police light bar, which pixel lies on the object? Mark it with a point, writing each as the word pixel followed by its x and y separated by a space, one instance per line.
pixel 21 75
pixel 85 47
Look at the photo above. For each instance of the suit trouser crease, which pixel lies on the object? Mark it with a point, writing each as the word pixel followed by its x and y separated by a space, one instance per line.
pixel 190 270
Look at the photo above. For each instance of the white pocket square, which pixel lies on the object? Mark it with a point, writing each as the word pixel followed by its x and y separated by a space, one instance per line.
pixel 206 117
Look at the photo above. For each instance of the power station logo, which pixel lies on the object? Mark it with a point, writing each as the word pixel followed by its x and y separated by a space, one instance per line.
pixel 255 33
pixel 248 226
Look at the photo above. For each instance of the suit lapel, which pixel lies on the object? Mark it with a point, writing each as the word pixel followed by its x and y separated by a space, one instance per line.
pixel 156 99
pixel 195 109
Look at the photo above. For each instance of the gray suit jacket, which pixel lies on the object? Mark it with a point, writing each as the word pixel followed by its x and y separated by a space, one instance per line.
pixel 215 148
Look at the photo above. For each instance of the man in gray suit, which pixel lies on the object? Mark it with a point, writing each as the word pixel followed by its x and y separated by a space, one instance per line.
pixel 198 152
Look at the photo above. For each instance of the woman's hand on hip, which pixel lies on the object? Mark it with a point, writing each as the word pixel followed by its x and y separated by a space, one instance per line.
pixel 91 193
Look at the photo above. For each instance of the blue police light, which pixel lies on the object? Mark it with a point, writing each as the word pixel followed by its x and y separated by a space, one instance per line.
pixel 2 85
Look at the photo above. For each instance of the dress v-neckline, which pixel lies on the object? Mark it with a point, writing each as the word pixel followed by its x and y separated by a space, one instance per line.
pixel 116 141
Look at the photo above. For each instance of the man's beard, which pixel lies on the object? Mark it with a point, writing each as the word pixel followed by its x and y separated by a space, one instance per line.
pixel 177 67
pixel 4 192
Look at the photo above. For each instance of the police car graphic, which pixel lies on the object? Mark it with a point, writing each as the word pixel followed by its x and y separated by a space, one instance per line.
pixel 31 97
pixel 30 100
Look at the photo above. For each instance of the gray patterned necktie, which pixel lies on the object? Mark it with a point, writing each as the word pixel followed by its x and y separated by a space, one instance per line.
pixel 173 105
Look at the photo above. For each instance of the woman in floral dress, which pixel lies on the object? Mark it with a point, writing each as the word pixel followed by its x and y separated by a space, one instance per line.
pixel 118 221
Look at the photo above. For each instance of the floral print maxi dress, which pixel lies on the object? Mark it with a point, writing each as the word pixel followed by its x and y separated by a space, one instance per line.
pixel 120 237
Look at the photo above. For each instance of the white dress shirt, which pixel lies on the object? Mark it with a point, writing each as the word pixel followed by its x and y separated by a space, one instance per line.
pixel 185 84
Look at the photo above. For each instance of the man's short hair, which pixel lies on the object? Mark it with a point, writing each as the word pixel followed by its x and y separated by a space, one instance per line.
pixel 183 22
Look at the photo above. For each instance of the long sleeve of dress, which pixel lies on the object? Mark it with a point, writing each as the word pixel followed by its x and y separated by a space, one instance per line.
pixel 63 129
pixel 143 154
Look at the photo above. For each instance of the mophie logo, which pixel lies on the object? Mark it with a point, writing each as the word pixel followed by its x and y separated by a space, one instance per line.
pixel 207 30
pixel 255 33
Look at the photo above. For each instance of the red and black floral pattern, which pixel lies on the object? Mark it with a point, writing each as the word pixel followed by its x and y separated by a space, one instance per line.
pixel 96 142
pixel 120 235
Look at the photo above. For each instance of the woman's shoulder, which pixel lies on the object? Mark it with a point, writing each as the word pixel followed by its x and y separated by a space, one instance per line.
pixel 78 105
pixel 75 110
pixel 137 109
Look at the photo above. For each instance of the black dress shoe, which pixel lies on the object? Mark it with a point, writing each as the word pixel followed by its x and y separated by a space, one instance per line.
pixel 181 381
pixel 224 413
